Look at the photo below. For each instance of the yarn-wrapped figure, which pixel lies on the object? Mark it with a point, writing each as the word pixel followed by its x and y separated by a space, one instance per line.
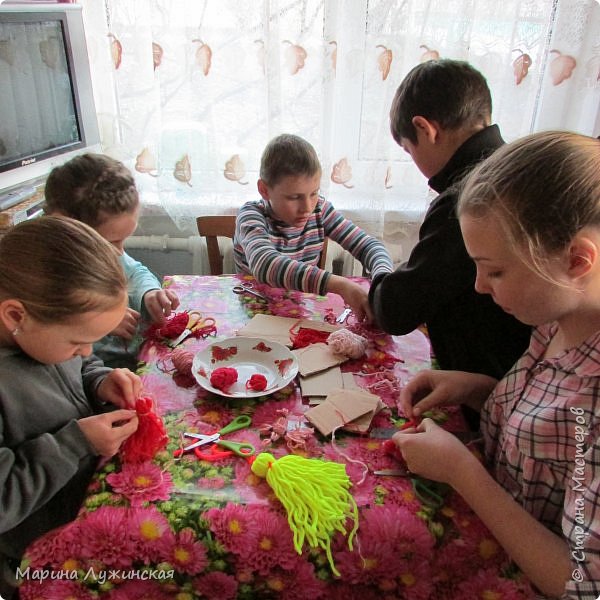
pixel 149 438
pixel 315 494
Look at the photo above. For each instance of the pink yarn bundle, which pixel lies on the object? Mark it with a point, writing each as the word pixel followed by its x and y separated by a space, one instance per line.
pixel 347 343
pixel 182 362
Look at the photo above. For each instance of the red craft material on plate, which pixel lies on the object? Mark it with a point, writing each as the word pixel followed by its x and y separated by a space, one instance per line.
pixel 257 382
pixel 223 378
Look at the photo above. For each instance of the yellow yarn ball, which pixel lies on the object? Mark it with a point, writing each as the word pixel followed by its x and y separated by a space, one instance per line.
pixel 261 464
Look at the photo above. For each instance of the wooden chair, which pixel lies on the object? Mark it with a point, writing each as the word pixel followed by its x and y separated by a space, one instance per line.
pixel 212 227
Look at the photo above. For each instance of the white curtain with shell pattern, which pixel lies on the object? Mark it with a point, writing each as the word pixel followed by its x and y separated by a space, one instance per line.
pixel 189 91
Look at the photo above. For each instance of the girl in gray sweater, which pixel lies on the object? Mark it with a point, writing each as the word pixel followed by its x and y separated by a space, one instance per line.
pixel 61 289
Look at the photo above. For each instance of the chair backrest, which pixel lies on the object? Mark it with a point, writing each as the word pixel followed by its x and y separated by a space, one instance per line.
pixel 212 227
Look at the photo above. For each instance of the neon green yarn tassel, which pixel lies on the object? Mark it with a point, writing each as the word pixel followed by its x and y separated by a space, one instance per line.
pixel 315 495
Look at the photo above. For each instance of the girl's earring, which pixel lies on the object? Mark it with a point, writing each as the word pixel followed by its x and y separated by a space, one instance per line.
pixel 16 331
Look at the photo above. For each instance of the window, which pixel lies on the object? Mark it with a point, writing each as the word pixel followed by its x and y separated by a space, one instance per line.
pixel 190 92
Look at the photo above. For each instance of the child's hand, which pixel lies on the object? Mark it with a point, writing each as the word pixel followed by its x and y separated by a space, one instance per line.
pixel 432 388
pixel 120 387
pixel 128 326
pixel 108 431
pixel 433 452
pixel 160 303
pixel 354 295
pixel 358 301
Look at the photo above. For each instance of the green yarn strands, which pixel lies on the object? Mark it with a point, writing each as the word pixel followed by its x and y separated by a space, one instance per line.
pixel 315 495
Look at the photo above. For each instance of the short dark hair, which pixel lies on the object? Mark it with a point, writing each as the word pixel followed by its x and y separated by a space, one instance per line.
pixel 89 187
pixel 285 155
pixel 450 92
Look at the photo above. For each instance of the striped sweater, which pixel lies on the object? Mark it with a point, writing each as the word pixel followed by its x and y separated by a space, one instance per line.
pixel 287 257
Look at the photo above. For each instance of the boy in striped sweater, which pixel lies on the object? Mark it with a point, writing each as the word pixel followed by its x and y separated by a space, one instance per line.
pixel 278 239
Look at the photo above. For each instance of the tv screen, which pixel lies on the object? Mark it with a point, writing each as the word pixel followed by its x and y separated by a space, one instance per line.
pixel 46 101
pixel 38 75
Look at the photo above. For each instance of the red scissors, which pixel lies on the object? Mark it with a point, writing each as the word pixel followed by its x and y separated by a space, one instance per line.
pixel 212 453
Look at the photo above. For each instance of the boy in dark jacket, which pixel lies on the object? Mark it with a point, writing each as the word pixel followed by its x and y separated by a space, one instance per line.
pixel 441 116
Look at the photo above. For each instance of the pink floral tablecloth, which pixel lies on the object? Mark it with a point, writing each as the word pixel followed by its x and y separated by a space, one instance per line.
pixel 185 529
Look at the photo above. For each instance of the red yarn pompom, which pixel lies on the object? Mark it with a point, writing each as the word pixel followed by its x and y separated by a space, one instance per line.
pixel 306 336
pixel 257 383
pixel 149 438
pixel 223 378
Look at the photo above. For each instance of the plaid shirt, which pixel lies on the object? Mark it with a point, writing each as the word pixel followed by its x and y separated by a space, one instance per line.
pixel 541 428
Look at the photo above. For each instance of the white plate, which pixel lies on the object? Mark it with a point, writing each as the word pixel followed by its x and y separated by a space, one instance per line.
pixel 247 356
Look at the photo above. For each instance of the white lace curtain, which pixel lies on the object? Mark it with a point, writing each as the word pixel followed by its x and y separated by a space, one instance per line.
pixel 189 92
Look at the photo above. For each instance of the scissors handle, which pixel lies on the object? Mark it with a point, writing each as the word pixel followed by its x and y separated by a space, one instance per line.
pixel 212 454
pixel 193 317
pixel 238 448
pixel 195 320
pixel 247 289
pixel 240 422
pixel 429 492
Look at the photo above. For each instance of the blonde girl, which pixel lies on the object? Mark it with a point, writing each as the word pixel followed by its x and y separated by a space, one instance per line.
pixel 530 218
pixel 61 289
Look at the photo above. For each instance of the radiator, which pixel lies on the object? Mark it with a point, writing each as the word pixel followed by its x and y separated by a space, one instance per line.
pixel 167 255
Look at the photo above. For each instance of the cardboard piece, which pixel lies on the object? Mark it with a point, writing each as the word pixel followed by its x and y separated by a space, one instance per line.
pixel 349 383
pixel 315 400
pixel 362 424
pixel 316 358
pixel 276 328
pixel 321 383
pixel 316 387
pixel 344 407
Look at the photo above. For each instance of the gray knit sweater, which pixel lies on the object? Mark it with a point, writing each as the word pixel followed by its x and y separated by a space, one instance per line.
pixel 45 460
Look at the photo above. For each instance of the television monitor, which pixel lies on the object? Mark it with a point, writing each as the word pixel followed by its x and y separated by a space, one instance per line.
pixel 47 112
